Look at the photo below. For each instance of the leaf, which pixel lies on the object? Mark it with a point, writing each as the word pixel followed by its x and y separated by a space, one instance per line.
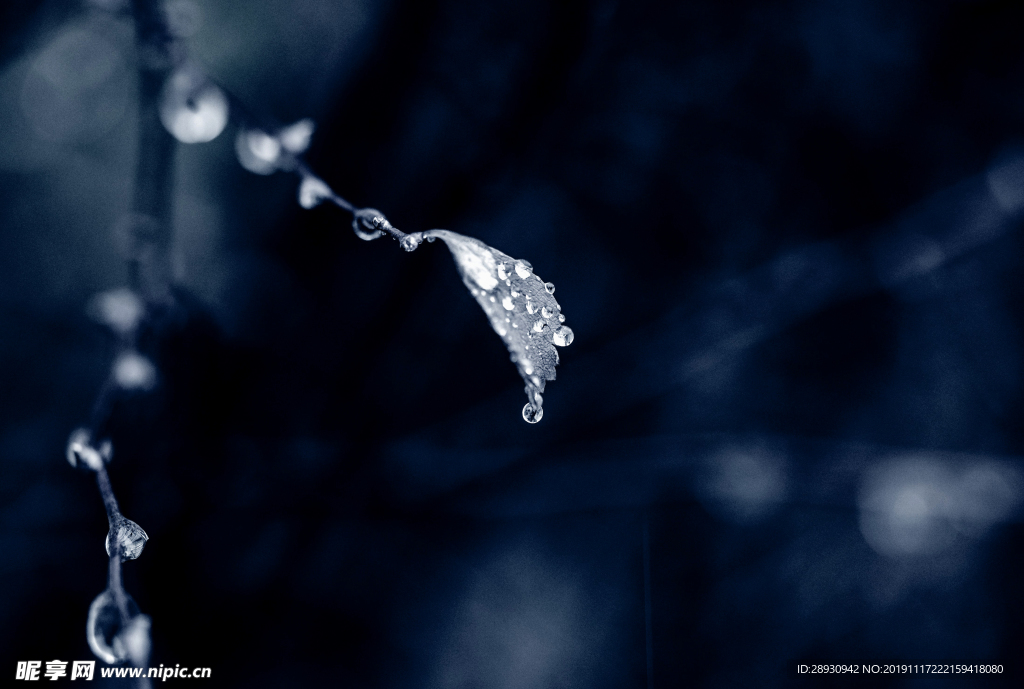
pixel 521 307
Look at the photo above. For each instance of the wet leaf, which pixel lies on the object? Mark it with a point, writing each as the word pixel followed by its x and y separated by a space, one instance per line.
pixel 520 306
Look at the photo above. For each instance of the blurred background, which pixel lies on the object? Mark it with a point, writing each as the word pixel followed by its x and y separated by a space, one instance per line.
pixel 787 236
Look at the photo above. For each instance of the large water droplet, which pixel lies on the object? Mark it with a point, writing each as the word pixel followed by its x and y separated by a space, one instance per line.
pixel 523 269
pixel 563 336
pixel 130 538
pixel 104 624
pixel 550 287
pixel 191 110
pixel 532 414
pixel 546 312
pixel 410 242
pixel 507 303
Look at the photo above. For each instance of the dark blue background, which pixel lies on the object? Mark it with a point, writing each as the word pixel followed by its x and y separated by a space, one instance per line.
pixel 787 236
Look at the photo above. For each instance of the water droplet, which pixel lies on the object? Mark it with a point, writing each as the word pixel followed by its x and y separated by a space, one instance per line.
pixel 133 642
pixel 130 538
pixel 527 367
pixel 508 283
pixel 523 269
pixel 563 336
pixel 550 287
pixel 81 452
pixel 502 275
pixel 296 137
pixel 493 299
pixel 507 303
pixel 193 111
pixel 532 414
pixel 312 191
pixel 257 151
pixel 132 371
pixel 515 325
pixel 561 318
pixel 546 312
pixel 104 624
pixel 529 306
pixel 119 309
pixel 515 294
pixel 540 326
pixel 410 242
pixel 431 239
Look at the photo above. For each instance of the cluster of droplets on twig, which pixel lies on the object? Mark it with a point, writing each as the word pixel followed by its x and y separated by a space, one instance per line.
pixel 194 109
pixel 115 630
pixel 519 304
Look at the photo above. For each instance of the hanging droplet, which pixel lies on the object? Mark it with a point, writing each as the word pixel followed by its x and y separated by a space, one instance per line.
pixel 507 303
pixel 192 110
pixel 130 537
pixel 563 336
pixel 502 275
pixel 104 624
pixel 540 326
pixel 523 269
pixel 312 191
pixel 550 287
pixel 546 312
pixel 532 414
pixel 296 137
pixel 410 242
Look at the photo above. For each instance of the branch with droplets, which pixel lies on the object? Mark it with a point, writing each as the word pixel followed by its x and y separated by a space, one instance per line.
pixel 519 304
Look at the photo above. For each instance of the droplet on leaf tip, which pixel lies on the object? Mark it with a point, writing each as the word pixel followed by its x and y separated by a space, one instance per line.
pixel 532 414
